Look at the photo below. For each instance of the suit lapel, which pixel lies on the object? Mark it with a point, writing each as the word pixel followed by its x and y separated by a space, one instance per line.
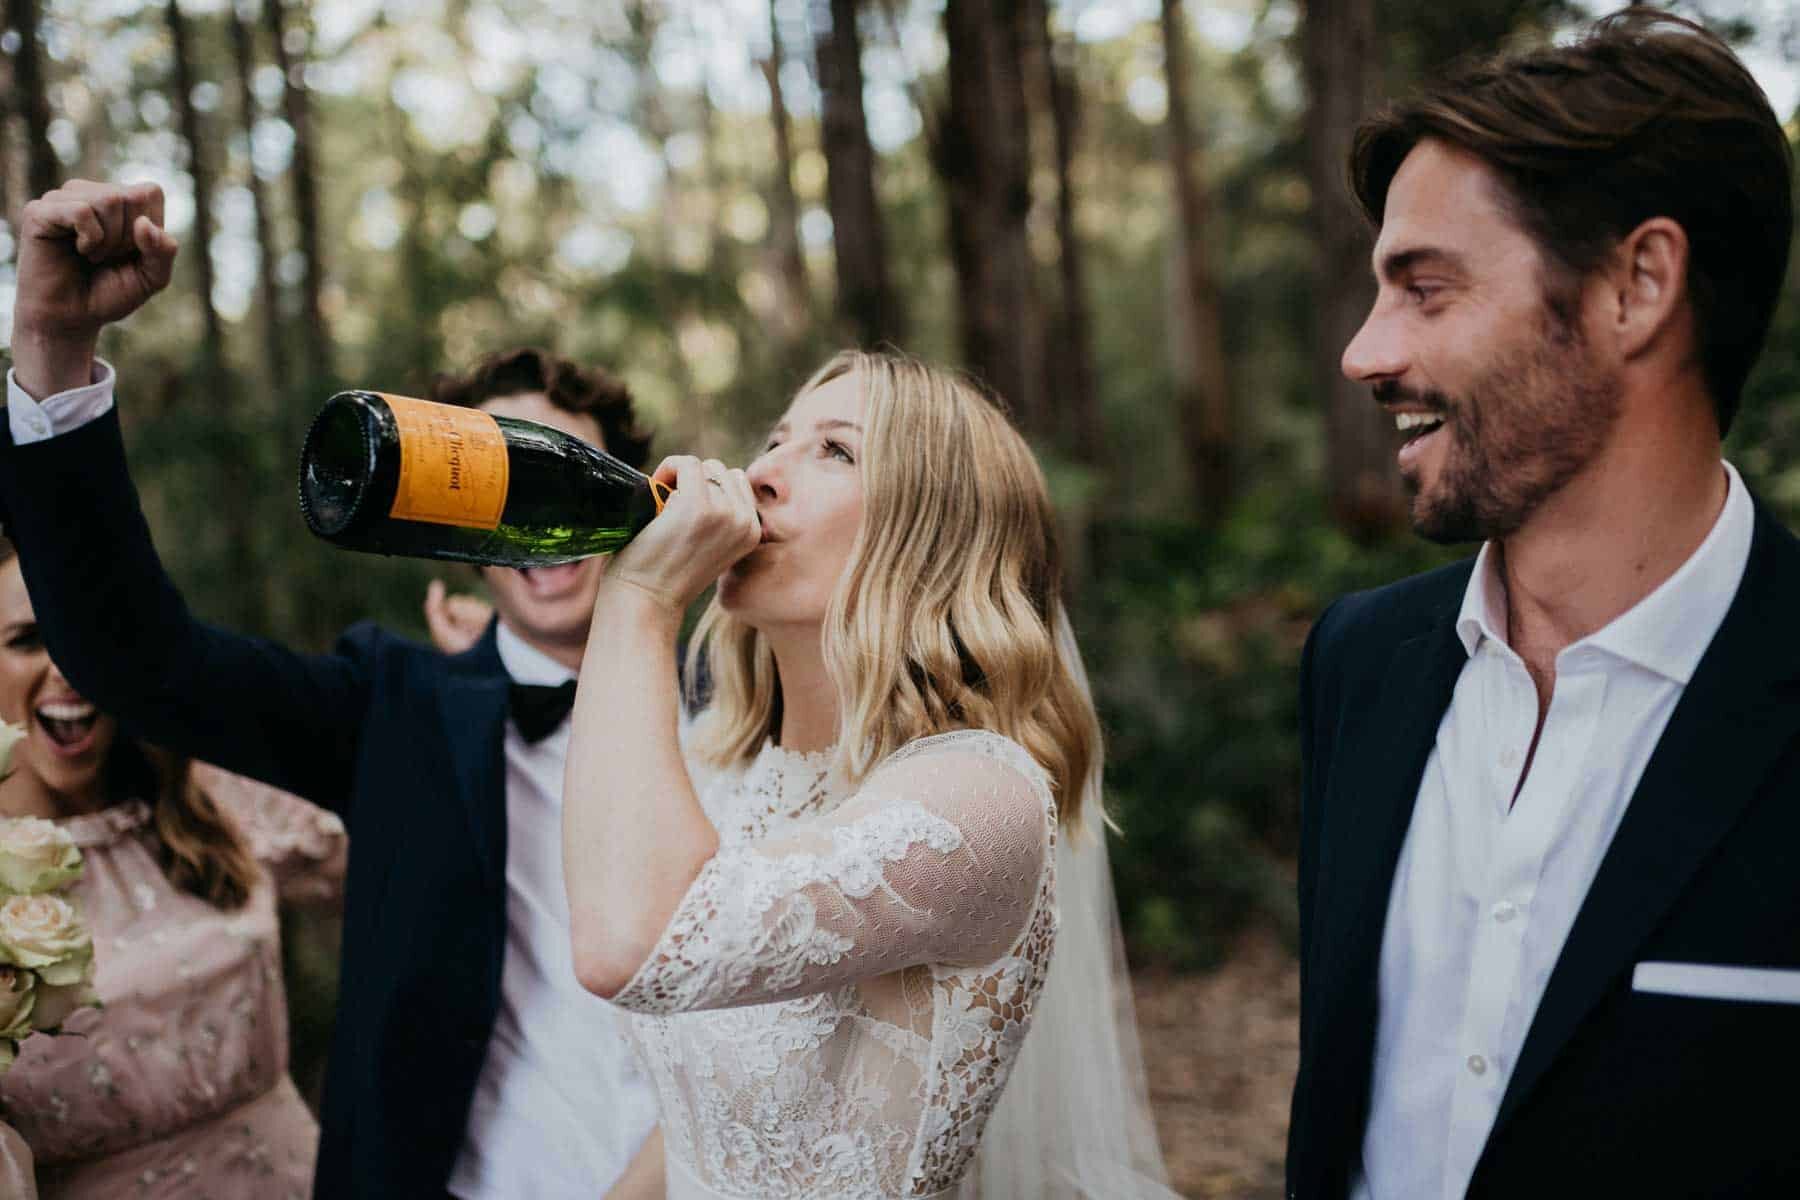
pixel 1373 784
pixel 472 705
pixel 1372 806
pixel 1736 716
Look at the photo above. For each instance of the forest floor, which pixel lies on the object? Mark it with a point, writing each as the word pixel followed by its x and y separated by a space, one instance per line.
pixel 1220 1051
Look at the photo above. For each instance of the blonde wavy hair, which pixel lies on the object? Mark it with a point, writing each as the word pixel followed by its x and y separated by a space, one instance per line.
pixel 949 611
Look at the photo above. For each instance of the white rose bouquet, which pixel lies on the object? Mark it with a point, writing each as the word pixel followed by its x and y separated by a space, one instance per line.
pixel 46 953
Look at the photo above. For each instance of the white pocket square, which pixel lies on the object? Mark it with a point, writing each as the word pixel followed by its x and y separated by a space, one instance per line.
pixel 1704 981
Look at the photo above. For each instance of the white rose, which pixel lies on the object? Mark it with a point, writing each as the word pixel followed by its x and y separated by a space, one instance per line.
pixel 36 856
pixel 46 935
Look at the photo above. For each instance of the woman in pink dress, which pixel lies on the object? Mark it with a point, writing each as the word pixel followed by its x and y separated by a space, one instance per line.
pixel 179 1085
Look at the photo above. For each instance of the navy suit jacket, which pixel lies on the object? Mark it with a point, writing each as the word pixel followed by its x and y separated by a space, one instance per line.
pixel 1616 1092
pixel 404 743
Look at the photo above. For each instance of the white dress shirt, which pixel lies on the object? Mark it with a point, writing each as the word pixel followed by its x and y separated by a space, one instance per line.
pixel 1487 888
pixel 36 420
pixel 560 1107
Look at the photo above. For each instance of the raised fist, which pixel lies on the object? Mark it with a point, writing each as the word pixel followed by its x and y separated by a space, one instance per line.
pixel 89 254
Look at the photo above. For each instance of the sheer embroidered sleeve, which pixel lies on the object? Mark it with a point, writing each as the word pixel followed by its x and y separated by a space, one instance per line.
pixel 937 859
pixel 302 846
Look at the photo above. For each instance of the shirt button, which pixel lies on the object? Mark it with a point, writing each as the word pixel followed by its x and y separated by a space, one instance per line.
pixel 1477 1065
pixel 1505 911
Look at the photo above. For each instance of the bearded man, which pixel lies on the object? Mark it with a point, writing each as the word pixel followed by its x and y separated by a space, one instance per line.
pixel 1550 852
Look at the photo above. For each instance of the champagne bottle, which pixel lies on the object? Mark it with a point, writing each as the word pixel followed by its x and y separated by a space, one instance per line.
pixel 393 475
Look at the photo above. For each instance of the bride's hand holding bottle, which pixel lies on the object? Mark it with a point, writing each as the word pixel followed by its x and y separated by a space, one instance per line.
pixel 709 523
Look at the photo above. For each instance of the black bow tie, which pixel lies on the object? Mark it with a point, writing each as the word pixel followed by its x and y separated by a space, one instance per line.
pixel 537 711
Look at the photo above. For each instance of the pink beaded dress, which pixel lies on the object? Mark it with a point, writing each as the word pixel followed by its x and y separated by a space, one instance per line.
pixel 179 1086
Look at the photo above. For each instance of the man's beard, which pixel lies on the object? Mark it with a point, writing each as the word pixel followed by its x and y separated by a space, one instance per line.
pixel 1527 426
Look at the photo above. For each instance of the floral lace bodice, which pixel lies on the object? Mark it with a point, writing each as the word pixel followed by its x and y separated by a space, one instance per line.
pixel 836 1004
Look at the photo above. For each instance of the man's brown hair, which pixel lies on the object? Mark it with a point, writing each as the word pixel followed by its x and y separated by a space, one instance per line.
pixel 1646 115
pixel 591 391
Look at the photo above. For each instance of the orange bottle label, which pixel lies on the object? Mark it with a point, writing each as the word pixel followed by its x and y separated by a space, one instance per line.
pixel 453 464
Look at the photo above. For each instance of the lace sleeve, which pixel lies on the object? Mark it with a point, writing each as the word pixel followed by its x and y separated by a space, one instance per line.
pixel 936 860
pixel 304 847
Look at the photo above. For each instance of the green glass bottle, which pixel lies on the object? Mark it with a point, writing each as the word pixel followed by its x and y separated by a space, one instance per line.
pixel 394 475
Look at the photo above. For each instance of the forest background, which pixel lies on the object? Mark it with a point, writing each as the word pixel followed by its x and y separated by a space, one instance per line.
pixel 1127 215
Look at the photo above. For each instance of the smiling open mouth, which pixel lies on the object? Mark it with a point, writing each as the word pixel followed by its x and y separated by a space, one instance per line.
pixel 67 724
pixel 1415 425
pixel 553 581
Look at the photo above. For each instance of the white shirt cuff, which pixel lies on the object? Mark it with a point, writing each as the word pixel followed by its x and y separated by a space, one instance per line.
pixel 39 420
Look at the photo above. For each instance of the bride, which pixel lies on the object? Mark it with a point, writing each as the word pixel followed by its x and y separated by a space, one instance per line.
pixel 866 888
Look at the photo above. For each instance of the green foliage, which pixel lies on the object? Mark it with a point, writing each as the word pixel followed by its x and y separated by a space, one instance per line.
pixel 1193 640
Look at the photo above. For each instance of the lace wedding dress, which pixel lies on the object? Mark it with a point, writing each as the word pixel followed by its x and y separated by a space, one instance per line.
pixel 836 1005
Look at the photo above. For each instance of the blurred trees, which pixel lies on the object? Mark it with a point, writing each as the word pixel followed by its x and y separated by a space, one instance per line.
pixel 1130 217
pixel 27 96
pixel 1073 390
pixel 982 149
pixel 793 308
pixel 1342 70
pixel 1202 385
pixel 275 356
pixel 866 302
pixel 198 152
pixel 296 107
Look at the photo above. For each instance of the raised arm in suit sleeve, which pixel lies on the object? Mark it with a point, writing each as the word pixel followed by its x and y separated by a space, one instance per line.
pixel 120 631
pixel 938 859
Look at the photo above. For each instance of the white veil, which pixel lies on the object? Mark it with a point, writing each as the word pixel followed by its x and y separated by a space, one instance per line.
pixel 1074 1121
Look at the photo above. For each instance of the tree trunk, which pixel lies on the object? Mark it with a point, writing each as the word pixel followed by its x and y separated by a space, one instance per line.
pixel 1202 383
pixel 983 154
pixel 297 109
pixel 232 429
pixel 274 345
pixel 421 344
pixel 42 172
pixel 866 302
pixel 692 425
pixel 711 177
pixel 212 349
pixel 784 205
pixel 1362 482
pixel 1073 387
